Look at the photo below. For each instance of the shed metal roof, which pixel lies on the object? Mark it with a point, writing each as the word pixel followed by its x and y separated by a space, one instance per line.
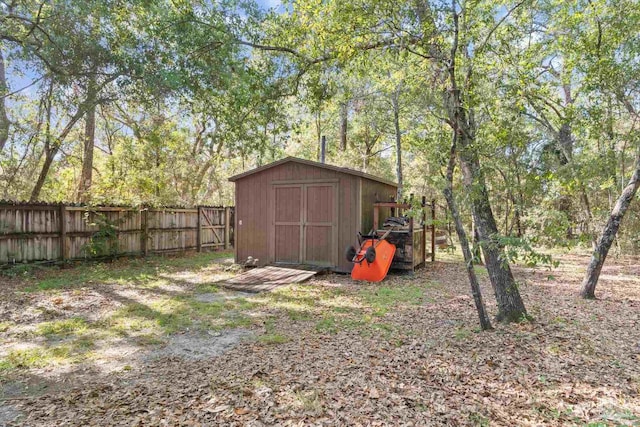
pixel 312 163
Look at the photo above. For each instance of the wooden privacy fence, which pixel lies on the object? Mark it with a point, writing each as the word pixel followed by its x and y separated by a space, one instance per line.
pixel 49 232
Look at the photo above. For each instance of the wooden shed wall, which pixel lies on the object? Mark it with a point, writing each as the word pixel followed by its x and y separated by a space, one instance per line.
pixel 373 191
pixel 253 209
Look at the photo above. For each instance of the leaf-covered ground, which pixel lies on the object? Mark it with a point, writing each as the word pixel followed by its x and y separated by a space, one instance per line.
pixel 154 342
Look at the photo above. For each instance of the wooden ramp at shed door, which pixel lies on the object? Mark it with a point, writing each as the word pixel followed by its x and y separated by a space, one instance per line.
pixel 267 278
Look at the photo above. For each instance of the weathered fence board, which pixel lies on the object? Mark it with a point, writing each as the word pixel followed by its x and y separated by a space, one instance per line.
pixel 42 232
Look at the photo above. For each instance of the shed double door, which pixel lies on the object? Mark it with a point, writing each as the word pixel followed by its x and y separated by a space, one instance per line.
pixel 305 224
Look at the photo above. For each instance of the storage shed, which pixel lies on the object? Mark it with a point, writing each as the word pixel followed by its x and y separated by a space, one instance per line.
pixel 296 211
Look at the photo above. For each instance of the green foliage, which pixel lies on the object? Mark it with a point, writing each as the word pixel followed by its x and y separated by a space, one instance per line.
pixel 549 227
pixel 19 270
pixel 522 250
pixel 189 93
pixel 103 242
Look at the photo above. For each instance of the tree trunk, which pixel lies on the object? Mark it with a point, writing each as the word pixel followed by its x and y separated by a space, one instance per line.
pixel 510 305
pixel 475 249
pixel 51 148
pixel 565 145
pixel 609 233
pixel 318 120
pixel 344 124
pixel 89 142
pixel 48 160
pixel 396 122
pixel 519 203
pixel 587 209
pixel 485 323
pixel 4 120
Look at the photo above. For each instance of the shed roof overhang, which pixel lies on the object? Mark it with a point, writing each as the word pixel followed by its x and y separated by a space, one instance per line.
pixel 315 164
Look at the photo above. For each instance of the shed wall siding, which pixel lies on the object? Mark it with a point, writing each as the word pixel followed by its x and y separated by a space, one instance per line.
pixel 255 209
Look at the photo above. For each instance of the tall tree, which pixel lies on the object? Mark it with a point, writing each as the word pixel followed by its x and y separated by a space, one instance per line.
pixel 344 124
pixel 459 106
pixel 437 41
pixel 395 103
pixel 609 233
pixel 4 90
pixel 89 141
pixel 485 323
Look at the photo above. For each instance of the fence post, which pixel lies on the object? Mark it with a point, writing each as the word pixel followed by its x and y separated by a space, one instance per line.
pixel 144 232
pixel 424 230
pixel 433 230
pixel 63 232
pixel 227 227
pixel 199 230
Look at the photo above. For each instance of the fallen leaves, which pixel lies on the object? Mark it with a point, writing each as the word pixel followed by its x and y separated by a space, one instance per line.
pixel 217 409
pixel 576 364
pixel 374 393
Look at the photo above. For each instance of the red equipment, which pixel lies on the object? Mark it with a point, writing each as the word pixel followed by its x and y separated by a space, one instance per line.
pixel 372 259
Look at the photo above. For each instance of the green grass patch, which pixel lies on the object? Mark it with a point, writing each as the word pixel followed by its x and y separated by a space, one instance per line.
pixel 384 328
pixel 74 325
pixel 272 339
pixel 20 270
pixel 292 296
pixel 240 304
pixel 342 310
pixel 73 339
pixel 207 288
pixel 481 271
pixel 5 365
pixel 234 320
pixel 462 334
pixel 148 340
pixel 327 325
pixel 138 271
pixel 303 302
pixel 299 315
pixel 384 298
pixel 171 315
pixel 478 420
pixel 270 325
pixel 195 260
pixel 41 357
pixel 167 316
pixel 135 272
pixel 84 343
pixel 123 325
pixel 359 323
pixel 271 336
pixel 28 358
pixel 364 325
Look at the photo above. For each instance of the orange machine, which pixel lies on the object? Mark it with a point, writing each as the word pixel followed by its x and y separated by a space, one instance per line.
pixel 373 259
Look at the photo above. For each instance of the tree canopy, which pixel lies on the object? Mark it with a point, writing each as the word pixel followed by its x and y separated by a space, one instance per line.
pixel 158 102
